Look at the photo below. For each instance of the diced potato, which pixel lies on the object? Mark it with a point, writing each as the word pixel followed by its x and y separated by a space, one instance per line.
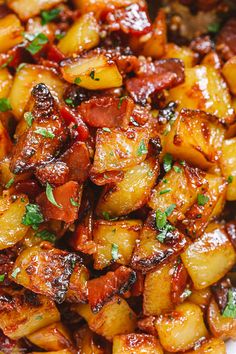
pixel 10 32
pixel 77 291
pixel 63 351
pixel 204 89
pixel 131 193
pixel 200 297
pixel 195 137
pixel 85 341
pixel 26 9
pixel 213 60
pixel 228 166
pixel 28 312
pixel 181 329
pixel 44 270
pixel 184 53
pixel 229 72
pixel 157 291
pixel 26 79
pixel 82 35
pixel 118 149
pixel 95 72
pixel 5 82
pixel 134 343
pixel 99 6
pixel 121 233
pixel 209 258
pixel 183 183
pixel 116 317
pixel 220 327
pixel 212 346
pixel 53 337
pixel 6 144
pixel 12 230
pixel 150 253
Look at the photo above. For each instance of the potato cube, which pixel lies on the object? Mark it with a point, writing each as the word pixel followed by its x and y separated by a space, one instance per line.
pixel 94 72
pixel 10 32
pixel 134 343
pixel 85 341
pixel 77 291
pixel 229 73
pixel 25 79
pixel 206 90
pixel 157 291
pixel 181 329
pixel 44 270
pixel 200 297
pixel 209 258
pixel 195 137
pixel 12 229
pixel 116 317
pixel 183 53
pixel 82 35
pixel 118 149
pixel 23 312
pixel 129 194
pixel 6 144
pixel 5 82
pixel 26 9
pixel 121 233
pixel 228 166
pixel 212 346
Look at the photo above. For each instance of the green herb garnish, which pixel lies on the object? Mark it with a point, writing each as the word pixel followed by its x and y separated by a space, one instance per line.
pixel 37 43
pixel 230 309
pixel 114 251
pixel 45 235
pixel 121 101
pixel 77 81
pixel 164 191
pixel 230 179
pixel 50 196
pixel 33 216
pixel 92 75
pixel 69 102
pixel 142 150
pixel 4 65
pixel 10 183
pixel 170 209
pixel 48 16
pixel 5 104
pixel 2 277
pixel 15 272
pixel 213 27
pixel 202 199
pixel 74 203
pixel 167 162
pixel 177 169
pixel 108 130
pixel 20 66
pixel 45 132
pixel 28 116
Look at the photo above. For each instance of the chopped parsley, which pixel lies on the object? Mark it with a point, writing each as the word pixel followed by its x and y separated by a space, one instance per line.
pixel 106 129
pixel 4 65
pixel 45 235
pixel 167 162
pixel 39 318
pixel 48 16
pixel 74 203
pixel 60 35
pixel 170 209
pixel 10 183
pixel 33 216
pixel 202 199
pixel 2 277
pixel 28 116
pixel 37 43
pixel 5 104
pixel 213 27
pixel 177 169
pixel 230 309
pixel 186 293
pixel 92 75
pixel 106 215
pixel 162 224
pixel 15 272
pixel 114 251
pixel 45 132
pixel 142 150
pixel 230 179
pixel 50 196
pixel 164 191
pixel 69 102
pixel 20 66
pixel 161 219
pixel 122 98
pixel 77 81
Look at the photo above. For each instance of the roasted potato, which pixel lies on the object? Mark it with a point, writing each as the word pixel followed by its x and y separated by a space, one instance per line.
pixel 136 343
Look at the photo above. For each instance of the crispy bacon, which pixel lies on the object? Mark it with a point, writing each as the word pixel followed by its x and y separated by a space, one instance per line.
pixel 178 283
pixel 100 290
pixel 63 195
pixel 73 119
pixel 226 40
pixel 106 177
pixel 147 324
pixel 29 187
pixel 55 173
pixel 106 111
pixel 164 74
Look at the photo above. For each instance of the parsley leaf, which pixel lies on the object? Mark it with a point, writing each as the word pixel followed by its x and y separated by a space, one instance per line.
pixel 45 132
pixel 20 66
pixel 167 162
pixel 162 224
pixel 77 81
pixel 69 102
pixel 15 272
pixel 166 229
pixel 92 75
pixel 37 43
pixel 161 219
pixel 186 293
pixel 213 27
pixel 10 183
pixel 28 116
pixel 50 196
pixel 108 130
pixel 74 203
pixel 142 150
pixel 5 104
pixel 2 277
pixel 177 169
pixel 4 65
pixel 164 191
pixel 202 199
pixel 46 236
pixel 48 16
pixel 170 209
pixel 230 309
pixel 114 251
pixel 122 98
pixel 33 216
pixel 106 215
pixel 230 179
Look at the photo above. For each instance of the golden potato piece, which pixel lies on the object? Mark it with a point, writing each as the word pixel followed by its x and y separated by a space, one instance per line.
pixel 94 72
pixel 209 258
pixel 23 312
pixel 6 144
pixel 228 166
pixel 121 233
pixel 10 32
pixel 26 9
pixel 5 82
pixel 229 73
pixel 212 346
pixel 134 343
pixel 181 329
pixel 184 53
pixel 201 297
pixel 116 317
pixel 82 35
pixel 206 90
pixel 84 338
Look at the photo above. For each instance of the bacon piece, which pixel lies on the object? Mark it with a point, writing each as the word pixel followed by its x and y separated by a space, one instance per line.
pixel 55 173
pixel 158 76
pixel 131 20
pixel 220 291
pixel 44 139
pixel 102 289
pixel 107 177
pixel 54 54
pixel 106 111
pixel 63 196
pixel 147 324
pixel 226 40
pixel 29 187
pixel 72 118
pixel 178 283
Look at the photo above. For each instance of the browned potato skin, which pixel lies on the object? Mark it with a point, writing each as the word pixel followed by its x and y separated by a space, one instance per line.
pixel 84 338
pixel 34 264
pixel 23 312
pixel 33 149
pixel 78 289
pixel 6 144
pixel 212 346
pixel 221 327
pixel 10 32
pixel 136 343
